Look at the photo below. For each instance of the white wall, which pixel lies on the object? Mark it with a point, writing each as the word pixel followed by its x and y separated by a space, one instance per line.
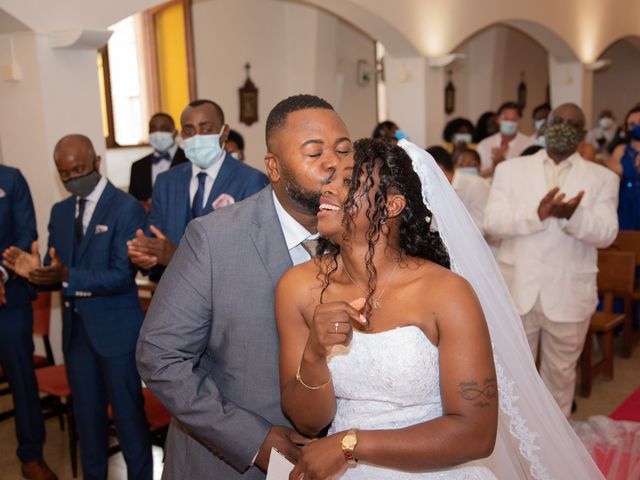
pixel 617 87
pixel 490 73
pixel 292 49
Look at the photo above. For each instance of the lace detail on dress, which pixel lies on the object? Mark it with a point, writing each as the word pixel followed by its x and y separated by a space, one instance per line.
pixel 390 380
pixel 518 425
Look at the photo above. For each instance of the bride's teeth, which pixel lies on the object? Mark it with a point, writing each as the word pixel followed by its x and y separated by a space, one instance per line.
pixel 327 206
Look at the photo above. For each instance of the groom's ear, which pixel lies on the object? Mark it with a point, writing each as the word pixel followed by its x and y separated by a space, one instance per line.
pixel 396 203
pixel 272 165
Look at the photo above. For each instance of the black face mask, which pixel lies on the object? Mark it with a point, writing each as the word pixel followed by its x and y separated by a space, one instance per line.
pixel 84 185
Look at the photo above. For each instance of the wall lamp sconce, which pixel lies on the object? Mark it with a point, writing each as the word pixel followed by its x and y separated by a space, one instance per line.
pixel 598 65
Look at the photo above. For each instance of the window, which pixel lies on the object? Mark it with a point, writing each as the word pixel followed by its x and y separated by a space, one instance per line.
pixel 146 67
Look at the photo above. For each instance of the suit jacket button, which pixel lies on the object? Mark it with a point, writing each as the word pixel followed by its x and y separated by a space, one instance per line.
pixel 66 304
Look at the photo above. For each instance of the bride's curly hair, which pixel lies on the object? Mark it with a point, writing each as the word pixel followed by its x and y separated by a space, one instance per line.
pixel 394 169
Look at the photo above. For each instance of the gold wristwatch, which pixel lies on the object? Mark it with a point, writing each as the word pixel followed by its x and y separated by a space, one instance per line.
pixel 348 443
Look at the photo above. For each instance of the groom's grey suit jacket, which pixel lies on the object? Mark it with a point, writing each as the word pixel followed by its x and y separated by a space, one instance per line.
pixel 208 348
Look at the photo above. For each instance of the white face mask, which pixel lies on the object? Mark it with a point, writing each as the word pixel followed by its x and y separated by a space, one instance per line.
pixel 204 150
pixel 460 138
pixel 467 171
pixel 606 123
pixel 161 141
pixel 539 123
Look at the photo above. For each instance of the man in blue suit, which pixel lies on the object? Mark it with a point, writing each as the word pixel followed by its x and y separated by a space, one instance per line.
pixel 18 227
pixel 211 180
pixel 87 259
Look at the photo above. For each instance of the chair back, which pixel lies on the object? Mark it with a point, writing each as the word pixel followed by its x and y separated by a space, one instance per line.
pixel 628 241
pixel 616 272
pixel 41 313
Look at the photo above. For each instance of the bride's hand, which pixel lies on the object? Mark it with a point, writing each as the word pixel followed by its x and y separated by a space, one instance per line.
pixel 321 459
pixel 332 325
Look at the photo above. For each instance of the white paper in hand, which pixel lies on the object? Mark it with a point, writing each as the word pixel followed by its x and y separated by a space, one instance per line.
pixel 279 466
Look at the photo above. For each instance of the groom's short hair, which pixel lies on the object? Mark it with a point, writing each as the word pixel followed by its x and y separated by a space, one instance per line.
pixel 278 115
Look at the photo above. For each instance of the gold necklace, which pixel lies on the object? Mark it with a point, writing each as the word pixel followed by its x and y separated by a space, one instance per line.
pixel 377 302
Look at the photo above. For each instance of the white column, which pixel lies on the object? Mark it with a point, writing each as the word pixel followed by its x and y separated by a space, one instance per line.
pixel 571 82
pixel 406 95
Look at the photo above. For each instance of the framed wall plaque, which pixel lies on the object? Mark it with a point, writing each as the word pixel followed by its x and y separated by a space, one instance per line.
pixel 248 100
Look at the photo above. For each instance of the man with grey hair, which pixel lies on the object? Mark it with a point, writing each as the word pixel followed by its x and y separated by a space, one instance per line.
pixel 553 210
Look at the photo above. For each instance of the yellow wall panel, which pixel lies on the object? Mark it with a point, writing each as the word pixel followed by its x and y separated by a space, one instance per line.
pixel 171 51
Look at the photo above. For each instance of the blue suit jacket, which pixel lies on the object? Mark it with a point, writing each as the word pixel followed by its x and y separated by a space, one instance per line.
pixel 17 227
pixel 101 290
pixel 171 208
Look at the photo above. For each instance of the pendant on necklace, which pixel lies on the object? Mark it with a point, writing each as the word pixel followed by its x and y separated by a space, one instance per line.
pixel 377 303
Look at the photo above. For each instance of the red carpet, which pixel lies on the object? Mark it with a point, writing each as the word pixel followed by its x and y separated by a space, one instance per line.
pixel 629 409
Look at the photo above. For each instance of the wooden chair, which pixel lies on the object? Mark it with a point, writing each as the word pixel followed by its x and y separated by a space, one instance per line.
pixel 53 381
pixel 145 293
pixel 629 241
pixel 616 272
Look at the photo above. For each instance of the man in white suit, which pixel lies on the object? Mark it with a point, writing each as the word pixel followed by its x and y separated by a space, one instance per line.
pixel 549 252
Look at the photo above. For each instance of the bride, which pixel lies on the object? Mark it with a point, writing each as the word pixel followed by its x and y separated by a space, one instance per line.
pixel 382 340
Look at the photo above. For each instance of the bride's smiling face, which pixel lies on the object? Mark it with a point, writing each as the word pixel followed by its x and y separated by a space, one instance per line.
pixel 332 221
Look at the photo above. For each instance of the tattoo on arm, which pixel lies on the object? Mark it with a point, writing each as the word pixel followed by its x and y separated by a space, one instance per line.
pixel 479 393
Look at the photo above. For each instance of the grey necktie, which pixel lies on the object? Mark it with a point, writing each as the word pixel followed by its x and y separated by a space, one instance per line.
pixel 311 246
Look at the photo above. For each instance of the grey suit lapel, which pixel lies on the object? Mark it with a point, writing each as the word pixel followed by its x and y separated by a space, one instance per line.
pixel 268 238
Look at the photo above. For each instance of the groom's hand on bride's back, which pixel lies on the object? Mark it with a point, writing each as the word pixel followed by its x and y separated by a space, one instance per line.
pixel 283 439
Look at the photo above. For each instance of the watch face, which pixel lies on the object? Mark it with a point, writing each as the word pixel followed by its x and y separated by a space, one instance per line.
pixel 349 441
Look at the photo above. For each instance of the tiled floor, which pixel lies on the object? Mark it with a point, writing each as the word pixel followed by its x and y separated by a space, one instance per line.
pixel 604 398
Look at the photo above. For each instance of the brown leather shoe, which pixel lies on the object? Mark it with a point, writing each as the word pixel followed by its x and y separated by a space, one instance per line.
pixel 38 470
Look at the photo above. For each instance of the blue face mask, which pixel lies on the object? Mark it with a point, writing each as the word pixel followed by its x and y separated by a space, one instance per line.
pixel 508 128
pixel 539 124
pixel 400 135
pixel 542 141
pixel 203 150
pixel 635 132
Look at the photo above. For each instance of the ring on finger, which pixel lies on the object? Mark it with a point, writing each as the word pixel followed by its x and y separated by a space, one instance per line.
pixel 336 325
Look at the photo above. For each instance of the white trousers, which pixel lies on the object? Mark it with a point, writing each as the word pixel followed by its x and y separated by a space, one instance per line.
pixel 560 345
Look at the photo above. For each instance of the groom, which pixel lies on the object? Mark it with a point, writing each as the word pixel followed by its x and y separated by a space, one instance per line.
pixel 209 347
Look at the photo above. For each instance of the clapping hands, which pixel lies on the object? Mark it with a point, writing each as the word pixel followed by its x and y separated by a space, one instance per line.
pixel 553 205
pixel 147 252
pixel 29 265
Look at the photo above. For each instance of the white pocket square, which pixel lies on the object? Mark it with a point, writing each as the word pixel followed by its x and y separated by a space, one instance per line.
pixel 222 201
pixel 102 228
pixel 2 193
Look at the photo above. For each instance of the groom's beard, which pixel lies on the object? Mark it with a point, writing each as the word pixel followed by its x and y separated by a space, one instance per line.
pixel 307 199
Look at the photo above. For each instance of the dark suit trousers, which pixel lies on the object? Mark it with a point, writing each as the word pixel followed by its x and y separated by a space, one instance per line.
pixel 16 358
pixel 95 381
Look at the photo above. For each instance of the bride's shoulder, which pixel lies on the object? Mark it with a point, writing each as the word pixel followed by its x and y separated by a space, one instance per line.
pixel 440 280
pixel 303 276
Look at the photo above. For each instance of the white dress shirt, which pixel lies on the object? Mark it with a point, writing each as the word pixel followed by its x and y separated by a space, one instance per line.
pixel 474 193
pixel 516 146
pixel 212 173
pixel 163 165
pixel 556 174
pixel 92 201
pixel 294 234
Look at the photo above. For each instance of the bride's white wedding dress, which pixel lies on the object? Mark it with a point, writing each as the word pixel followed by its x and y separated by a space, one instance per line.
pixel 390 380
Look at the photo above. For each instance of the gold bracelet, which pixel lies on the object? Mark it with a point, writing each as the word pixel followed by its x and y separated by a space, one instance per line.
pixel 299 378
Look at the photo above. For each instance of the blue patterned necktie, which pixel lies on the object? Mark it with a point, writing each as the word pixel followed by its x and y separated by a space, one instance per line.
pixel 197 209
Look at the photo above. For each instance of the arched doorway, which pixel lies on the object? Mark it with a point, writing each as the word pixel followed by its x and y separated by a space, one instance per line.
pixel 615 85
